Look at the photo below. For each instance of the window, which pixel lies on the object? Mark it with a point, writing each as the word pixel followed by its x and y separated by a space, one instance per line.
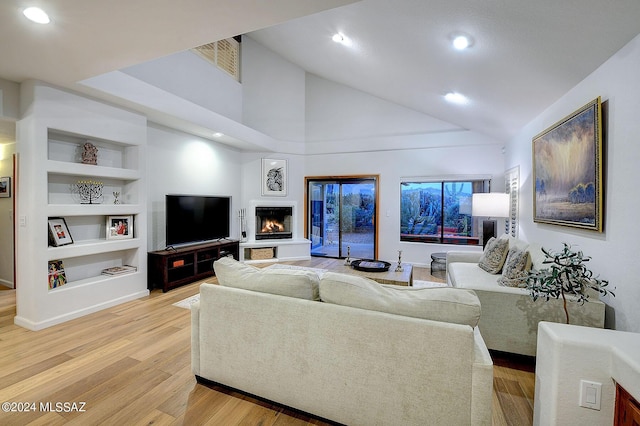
pixel 439 211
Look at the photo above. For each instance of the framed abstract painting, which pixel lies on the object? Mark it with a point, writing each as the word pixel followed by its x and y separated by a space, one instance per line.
pixel 567 171
pixel 274 177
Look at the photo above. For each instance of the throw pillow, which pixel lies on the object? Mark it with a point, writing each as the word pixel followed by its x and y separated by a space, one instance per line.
pixel 495 253
pixel 300 284
pixel 454 305
pixel 515 269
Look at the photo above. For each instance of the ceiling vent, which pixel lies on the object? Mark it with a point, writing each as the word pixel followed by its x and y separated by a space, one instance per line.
pixel 225 54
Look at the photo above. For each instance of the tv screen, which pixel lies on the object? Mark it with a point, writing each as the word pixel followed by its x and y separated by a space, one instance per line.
pixel 197 218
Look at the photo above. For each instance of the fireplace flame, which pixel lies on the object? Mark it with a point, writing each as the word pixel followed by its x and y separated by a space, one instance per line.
pixel 271 225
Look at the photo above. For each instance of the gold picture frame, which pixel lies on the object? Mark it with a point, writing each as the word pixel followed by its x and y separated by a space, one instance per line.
pixel 567 171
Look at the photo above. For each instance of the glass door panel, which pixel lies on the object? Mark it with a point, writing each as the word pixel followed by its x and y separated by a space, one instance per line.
pixel 341 217
pixel 357 224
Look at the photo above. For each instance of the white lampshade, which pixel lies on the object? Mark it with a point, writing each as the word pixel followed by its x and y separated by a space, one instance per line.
pixel 491 204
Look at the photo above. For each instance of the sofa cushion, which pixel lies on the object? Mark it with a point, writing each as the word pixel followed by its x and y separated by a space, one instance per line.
pixel 494 255
pixel 515 269
pixel 438 304
pixel 285 282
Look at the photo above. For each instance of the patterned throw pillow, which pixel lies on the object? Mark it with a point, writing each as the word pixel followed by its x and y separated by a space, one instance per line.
pixel 516 267
pixel 495 252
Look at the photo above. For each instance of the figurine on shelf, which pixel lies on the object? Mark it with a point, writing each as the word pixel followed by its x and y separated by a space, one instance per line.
pixel 89 154
pixel 347 261
pixel 399 267
pixel 90 191
pixel 116 200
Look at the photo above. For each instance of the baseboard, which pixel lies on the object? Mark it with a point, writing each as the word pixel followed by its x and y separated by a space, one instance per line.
pixel 40 325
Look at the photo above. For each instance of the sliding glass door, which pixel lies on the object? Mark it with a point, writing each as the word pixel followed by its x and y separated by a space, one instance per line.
pixel 341 216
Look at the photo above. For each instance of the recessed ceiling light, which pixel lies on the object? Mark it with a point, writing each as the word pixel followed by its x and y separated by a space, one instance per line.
pixel 37 15
pixel 456 98
pixel 461 41
pixel 218 135
pixel 342 39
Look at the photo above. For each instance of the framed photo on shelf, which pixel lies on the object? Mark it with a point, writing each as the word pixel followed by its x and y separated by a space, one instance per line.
pixel 119 227
pixel 5 187
pixel 274 177
pixel 59 234
pixel 563 195
pixel 56 276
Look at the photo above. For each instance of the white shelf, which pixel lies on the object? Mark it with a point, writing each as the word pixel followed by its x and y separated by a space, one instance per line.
pixel 91 247
pixel 86 170
pixel 285 249
pixel 54 210
pixel 72 285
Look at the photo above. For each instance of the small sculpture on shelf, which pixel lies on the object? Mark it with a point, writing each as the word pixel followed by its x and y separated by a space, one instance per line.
pixel 347 261
pixel 116 200
pixel 399 268
pixel 90 191
pixel 89 154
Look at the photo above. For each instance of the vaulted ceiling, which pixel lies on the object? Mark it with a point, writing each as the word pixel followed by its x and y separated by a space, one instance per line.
pixel 525 54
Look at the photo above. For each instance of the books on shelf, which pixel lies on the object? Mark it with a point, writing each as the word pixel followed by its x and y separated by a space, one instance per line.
pixel 118 270
pixel 56 276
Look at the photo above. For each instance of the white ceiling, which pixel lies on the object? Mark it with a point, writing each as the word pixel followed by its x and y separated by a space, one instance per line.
pixel 526 54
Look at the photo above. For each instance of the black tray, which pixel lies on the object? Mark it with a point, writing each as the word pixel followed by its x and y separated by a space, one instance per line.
pixel 370 265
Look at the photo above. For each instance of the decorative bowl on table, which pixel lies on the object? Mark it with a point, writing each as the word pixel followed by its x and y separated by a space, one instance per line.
pixel 370 265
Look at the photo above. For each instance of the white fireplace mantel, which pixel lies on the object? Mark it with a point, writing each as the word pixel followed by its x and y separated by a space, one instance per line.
pixel 295 248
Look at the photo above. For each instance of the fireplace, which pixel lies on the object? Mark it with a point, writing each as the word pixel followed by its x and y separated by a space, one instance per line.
pixel 273 223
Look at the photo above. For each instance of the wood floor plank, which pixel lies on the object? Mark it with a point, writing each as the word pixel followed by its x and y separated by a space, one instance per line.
pixel 131 364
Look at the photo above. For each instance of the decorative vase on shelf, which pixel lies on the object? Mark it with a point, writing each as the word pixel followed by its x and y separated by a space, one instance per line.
pixel 90 191
pixel 116 200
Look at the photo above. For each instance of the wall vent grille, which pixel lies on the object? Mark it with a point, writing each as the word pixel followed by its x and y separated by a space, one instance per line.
pixel 225 54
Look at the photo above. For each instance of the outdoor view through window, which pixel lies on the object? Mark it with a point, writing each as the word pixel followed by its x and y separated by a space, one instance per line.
pixel 439 212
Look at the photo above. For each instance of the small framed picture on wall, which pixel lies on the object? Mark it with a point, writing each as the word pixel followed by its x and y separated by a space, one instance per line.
pixel 5 187
pixel 274 177
pixel 119 227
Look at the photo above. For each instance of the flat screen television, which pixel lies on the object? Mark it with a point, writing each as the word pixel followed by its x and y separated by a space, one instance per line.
pixel 196 218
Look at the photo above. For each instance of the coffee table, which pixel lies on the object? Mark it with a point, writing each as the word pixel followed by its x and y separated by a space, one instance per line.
pixel 404 278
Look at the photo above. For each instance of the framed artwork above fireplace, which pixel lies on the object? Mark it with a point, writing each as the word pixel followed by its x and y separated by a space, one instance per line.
pixel 274 177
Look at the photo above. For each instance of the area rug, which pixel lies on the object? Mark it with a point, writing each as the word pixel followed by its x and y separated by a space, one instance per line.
pixel 427 284
pixel 186 303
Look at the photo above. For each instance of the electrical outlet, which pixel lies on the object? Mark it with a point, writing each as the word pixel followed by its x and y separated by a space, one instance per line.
pixel 590 394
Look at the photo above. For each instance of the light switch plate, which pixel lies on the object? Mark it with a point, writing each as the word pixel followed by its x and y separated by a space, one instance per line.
pixel 590 394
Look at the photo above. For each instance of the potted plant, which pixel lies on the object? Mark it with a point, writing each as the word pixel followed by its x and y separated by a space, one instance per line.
pixel 566 274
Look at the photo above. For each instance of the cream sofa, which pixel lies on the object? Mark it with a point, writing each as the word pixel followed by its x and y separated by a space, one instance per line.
pixel 347 359
pixel 510 317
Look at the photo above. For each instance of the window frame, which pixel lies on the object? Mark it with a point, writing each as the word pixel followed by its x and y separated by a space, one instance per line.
pixel 479 184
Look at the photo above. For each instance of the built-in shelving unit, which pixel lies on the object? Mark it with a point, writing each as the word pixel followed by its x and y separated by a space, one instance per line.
pixel 51 142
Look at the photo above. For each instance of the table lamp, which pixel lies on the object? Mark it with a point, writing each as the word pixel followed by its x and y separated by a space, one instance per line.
pixel 489 204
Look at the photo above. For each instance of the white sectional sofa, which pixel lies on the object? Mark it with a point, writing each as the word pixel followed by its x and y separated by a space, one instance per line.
pixel 510 317
pixel 344 347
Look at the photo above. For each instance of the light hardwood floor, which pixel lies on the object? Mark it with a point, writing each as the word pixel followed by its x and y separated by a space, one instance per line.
pixel 130 365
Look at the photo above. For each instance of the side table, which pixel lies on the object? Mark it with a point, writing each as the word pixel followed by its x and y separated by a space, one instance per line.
pixel 439 264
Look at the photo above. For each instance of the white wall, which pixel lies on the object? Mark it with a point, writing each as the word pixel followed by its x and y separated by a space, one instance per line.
pixel 6 217
pixel 191 77
pixel 9 99
pixel 615 251
pixel 179 163
pixel 461 159
pixel 273 93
